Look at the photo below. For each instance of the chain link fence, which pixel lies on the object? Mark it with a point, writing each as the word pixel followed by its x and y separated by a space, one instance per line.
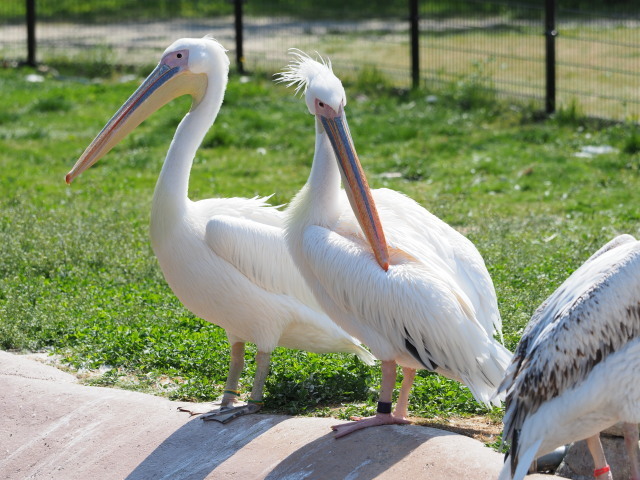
pixel 499 45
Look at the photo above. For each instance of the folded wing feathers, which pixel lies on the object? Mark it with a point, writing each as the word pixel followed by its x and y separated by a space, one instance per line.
pixel 595 312
pixel 412 307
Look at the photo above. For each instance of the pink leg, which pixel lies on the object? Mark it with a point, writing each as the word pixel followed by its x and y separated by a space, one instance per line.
pixel 599 462
pixel 231 386
pixel 402 405
pixel 386 392
pixel 235 370
pixel 227 412
pixel 263 360
pixel 631 443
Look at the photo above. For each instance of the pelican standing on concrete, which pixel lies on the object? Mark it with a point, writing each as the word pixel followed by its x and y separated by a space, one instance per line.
pixel 215 259
pixel 576 370
pixel 417 292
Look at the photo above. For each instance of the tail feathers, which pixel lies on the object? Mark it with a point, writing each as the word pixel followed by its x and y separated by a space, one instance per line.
pixel 364 355
pixel 481 370
pixel 484 394
pixel 505 473
pixel 348 345
pixel 509 378
pixel 524 461
pixel 485 379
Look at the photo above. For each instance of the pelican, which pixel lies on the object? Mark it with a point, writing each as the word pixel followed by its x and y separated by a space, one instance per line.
pixel 217 262
pixel 417 292
pixel 576 370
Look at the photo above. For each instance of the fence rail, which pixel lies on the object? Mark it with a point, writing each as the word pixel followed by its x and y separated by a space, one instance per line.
pixel 550 55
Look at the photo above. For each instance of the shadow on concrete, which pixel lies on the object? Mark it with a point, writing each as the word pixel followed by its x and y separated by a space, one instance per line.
pixel 197 448
pixel 365 454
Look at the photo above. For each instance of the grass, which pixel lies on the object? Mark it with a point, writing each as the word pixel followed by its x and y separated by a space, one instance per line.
pixel 78 277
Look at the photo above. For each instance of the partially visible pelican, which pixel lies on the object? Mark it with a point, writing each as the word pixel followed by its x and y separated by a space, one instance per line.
pixel 576 370
pixel 417 292
pixel 215 259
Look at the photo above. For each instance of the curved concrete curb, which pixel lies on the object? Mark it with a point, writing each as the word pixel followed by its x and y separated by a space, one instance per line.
pixel 54 428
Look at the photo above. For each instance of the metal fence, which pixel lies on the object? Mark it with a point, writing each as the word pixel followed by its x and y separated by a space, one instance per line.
pixel 586 59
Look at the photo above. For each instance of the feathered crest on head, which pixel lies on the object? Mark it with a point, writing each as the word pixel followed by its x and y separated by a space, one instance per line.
pixel 302 69
pixel 210 36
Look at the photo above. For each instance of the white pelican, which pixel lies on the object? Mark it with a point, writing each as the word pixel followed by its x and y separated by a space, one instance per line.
pixel 215 260
pixel 576 370
pixel 426 301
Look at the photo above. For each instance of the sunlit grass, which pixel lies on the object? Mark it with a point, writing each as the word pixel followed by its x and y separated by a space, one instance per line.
pixel 78 277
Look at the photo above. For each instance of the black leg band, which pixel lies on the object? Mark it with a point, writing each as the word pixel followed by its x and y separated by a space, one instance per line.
pixel 384 407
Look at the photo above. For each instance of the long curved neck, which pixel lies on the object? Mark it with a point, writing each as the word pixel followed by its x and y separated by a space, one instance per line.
pixel 319 200
pixel 317 203
pixel 173 184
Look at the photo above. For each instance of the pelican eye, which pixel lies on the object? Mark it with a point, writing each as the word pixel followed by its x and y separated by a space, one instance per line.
pixel 179 55
pixel 320 104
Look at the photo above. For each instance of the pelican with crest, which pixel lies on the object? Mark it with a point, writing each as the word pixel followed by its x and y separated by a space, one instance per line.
pixel 224 258
pixel 576 370
pixel 402 281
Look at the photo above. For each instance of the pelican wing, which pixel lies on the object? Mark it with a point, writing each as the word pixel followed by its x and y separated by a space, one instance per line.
pixel 594 313
pixel 413 309
pixel 260 253
pixel 257 209
pixel 615 243
pixel 583 277
pixel 415 230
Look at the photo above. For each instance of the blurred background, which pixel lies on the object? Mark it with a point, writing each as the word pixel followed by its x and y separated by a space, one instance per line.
pixel 572 54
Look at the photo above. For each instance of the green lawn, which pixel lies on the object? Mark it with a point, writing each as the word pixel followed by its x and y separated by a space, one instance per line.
pixel 78 277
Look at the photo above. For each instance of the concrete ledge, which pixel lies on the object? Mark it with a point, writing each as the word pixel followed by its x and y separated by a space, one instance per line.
pixel 54 428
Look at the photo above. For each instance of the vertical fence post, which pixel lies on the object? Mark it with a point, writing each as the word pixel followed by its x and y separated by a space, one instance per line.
pixel 414 21
pixel 31 32
pixel 550 33
pixel 239 41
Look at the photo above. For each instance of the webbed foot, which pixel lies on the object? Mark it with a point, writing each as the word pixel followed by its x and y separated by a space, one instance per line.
pixel 226 414
pixel 360 423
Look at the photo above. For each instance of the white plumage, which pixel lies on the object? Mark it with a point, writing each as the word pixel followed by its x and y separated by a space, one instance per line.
pixel 576 370
pixel 217 261
pixel 426 301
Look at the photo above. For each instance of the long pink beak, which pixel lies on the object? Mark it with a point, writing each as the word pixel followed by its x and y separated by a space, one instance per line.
pixel 170 79
pixel 356 185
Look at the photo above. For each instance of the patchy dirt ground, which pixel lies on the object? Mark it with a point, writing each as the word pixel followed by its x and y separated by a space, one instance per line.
pixel 483 429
